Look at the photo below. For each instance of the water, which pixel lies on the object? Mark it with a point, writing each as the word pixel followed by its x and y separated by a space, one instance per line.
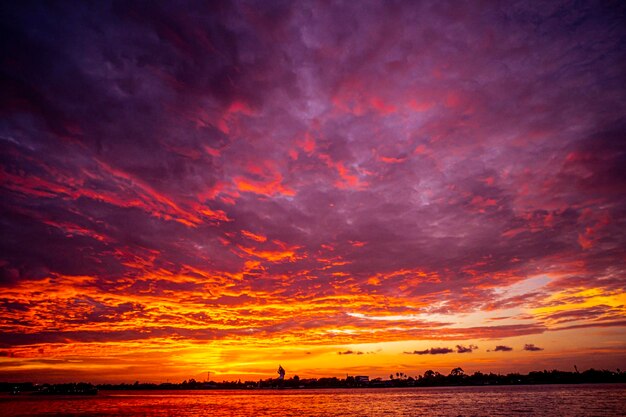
pixel 552 400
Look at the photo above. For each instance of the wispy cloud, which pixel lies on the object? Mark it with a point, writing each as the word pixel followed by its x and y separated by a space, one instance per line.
pixel 197 173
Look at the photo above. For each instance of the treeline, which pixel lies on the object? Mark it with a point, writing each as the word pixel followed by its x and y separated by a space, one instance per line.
pixel 457 377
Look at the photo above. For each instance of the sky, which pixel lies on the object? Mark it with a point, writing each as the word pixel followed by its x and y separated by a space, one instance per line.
pixel 338 187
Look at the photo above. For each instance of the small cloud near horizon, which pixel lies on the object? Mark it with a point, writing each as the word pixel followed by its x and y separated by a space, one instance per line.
pixel 531 347
pixel 350 352
pixel 501 348
pixel 463 349
pixel 431 351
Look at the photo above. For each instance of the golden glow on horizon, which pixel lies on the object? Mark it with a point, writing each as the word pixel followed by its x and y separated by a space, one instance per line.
pixel 248 337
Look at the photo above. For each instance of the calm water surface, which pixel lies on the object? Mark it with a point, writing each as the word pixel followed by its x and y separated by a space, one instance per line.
pixel 546 400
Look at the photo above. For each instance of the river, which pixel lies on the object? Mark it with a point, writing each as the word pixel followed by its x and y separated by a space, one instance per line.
pixel 535 400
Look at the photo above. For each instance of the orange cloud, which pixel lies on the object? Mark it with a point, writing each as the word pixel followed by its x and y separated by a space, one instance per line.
pixel 271 255
pixel 346 178
pixel 382 107
pixel 271 188
pixel 419 106
pixel 253 236
pixel 265 179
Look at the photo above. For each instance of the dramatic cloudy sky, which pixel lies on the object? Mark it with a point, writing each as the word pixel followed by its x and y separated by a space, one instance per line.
pixel 339 187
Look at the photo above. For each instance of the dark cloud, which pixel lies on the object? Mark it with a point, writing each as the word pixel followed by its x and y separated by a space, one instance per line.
pixel 431 351
pixel 465 349
pixel 502 348
pixel 350 352
pixel 531 347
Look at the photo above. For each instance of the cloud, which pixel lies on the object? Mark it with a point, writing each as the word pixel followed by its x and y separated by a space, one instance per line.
pixel 431 351
pixel 531 347
pixel 465 349
pixel 502 348
pixel 350 352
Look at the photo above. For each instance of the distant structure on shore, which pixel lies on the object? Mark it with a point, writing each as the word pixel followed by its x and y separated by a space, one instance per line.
pixel 281 373
pixel 362 379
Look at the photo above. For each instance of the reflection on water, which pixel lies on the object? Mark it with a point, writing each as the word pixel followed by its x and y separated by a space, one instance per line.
pixel 554 400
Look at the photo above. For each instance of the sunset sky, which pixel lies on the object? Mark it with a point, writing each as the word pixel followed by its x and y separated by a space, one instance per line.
pixel 356 187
